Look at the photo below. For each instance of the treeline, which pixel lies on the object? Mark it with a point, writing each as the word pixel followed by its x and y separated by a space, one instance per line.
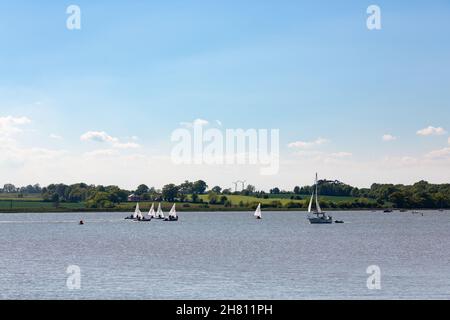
pixel 109 196
pixel 30 189
pixel 419 195
pixel 93 196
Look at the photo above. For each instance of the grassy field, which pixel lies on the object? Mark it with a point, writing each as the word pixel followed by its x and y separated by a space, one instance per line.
pixel 11 203
pixel 37 205
pixel 236 199
pixel 15 196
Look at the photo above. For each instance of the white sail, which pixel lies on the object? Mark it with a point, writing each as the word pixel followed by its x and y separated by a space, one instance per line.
pixel 173 211
pixel 319 210
pixel 151 212
pixel 258 211
pixel 159 212
pixel 137 212
pixel 311 202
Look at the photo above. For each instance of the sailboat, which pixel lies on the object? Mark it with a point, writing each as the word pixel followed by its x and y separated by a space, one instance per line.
pixel 159 212
pixel 149 215
pixel 258 212
pixel 172 214
pixel 139 216
pixel 151 212
pixel 135 214
pixel 318 217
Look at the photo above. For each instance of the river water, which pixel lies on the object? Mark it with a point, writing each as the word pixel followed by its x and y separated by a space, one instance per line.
pixel 225 255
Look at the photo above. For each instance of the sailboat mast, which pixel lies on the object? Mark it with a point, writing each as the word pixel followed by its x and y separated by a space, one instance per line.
pixel 319 210
pixel 316 185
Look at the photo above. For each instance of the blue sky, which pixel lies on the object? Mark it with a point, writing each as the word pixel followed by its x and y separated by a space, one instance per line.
pixel 310 68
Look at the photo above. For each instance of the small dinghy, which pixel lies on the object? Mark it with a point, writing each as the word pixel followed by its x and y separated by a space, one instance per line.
pixel 172 214
pixel 139 216
pixel 151 214
pixel 159 212
pixel 135 214
pixel 258 212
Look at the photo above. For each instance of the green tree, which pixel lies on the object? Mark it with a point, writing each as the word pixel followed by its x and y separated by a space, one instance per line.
pixel 141 189
pixel 186 187
pixel 223 199
pixel 216 189
pixel 212 197
pixel 170 192
pixel 398 199
pixel 275 190
pixel 226 191
pixel 199 187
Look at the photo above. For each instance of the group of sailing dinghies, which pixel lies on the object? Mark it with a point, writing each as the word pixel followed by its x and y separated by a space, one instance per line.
pixel 152 214
pixel 318 216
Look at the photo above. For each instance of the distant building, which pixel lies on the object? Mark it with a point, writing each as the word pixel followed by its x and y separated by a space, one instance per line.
pixel 133 197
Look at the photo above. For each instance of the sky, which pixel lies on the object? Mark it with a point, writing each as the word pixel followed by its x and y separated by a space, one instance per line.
pixel 100 104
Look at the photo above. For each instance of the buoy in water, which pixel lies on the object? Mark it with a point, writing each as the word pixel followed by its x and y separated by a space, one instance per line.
pixel 81 222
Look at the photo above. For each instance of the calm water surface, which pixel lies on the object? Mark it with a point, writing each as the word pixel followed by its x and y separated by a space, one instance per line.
pixel 225 256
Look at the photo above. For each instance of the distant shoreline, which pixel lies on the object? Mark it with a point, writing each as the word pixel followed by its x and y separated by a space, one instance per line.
pixel 187 210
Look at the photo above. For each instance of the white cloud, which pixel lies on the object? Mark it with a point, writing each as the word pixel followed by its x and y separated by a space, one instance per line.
pixel 388 137
pixel 324 157
pixel 308 153
pixel 17 156
pixel 341 154
pixel 307 144
pixel 10 125
pixel 56 136
pixel 98 136
pixel 102 136
pixel 431 131
pixel 101 153
pixel 439 154
pixel 126 145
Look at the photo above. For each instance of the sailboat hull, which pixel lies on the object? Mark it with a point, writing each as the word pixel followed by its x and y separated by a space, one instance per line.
pixel 320 220
pixel 171 219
